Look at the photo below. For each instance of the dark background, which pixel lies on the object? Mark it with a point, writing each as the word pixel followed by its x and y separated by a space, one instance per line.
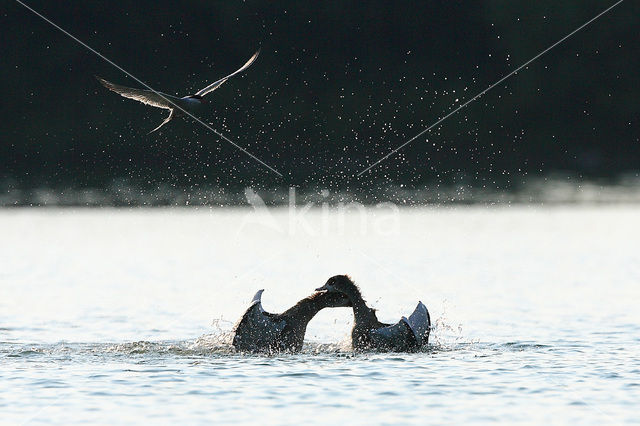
pixel 337 86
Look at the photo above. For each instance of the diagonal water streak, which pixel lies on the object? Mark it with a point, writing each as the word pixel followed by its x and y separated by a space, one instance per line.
pixel 489 88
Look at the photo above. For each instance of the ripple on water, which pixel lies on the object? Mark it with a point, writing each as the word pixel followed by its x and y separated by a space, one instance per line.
pixel 25 354
pixel 143 370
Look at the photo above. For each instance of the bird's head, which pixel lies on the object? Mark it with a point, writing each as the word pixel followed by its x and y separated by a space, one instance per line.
pixel 338 283
pixel 198 98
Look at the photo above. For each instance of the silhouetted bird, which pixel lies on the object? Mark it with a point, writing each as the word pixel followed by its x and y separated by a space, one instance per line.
pixel 368 333
pixel 162 100
pixel 260 331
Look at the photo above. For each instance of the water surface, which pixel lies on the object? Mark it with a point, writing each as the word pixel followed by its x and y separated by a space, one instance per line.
pixel 122 316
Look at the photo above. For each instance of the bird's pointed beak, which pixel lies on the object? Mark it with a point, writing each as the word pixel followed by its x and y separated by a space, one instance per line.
pixel 323 288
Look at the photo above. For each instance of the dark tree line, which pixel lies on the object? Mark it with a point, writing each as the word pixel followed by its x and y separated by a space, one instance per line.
pixel 337 86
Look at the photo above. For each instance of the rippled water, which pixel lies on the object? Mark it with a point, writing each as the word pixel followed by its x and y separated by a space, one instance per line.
pixel 123 316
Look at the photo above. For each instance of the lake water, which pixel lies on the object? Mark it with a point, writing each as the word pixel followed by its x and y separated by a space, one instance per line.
pixel 123 315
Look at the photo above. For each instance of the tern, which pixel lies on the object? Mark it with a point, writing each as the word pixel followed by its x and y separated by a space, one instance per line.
pixel 173 103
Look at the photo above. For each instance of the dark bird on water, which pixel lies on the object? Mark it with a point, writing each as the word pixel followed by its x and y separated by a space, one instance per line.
pixel 260 331
pixel 408 334
pixel 156 99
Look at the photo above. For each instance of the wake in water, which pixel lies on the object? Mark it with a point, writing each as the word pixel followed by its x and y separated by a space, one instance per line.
pixel 445 336
pixel 210 346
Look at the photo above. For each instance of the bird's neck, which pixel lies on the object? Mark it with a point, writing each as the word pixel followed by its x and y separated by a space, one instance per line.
pixel 361 312
pixel 308 307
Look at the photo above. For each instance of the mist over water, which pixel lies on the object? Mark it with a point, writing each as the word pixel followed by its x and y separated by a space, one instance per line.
pixel 552 189
pixel 123 315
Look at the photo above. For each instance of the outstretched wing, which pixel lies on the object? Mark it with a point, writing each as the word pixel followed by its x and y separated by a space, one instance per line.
pixel 257 330
pixel 408 334
pixel 420 323
pixel 148 97
pixel 396 337
pixel 215 85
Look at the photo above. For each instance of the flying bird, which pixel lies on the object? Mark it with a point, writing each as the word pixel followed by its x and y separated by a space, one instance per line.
pixel 165 101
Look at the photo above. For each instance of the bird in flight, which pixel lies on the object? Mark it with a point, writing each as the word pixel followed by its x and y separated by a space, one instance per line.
pixel 165 101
